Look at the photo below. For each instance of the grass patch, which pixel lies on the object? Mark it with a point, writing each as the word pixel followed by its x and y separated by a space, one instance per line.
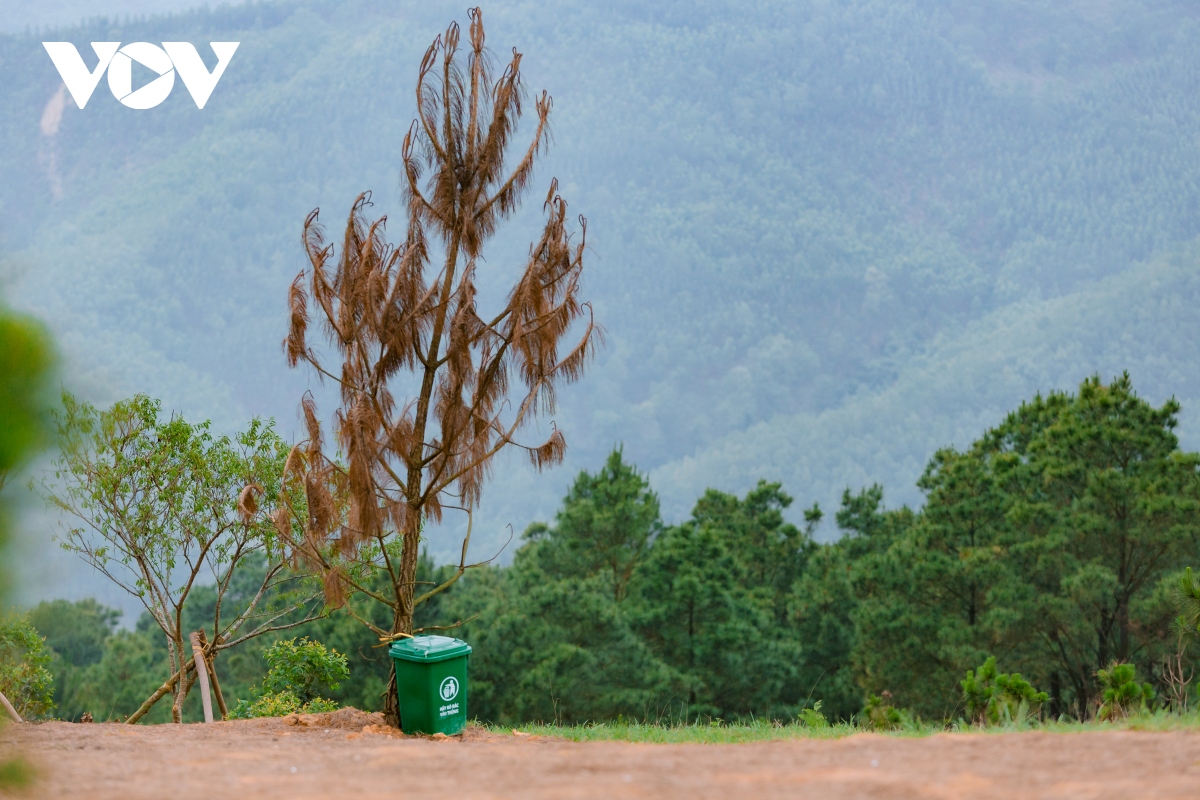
pixel 695 733
pixel 768 731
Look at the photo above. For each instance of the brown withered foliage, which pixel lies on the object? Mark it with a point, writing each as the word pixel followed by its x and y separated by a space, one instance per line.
pixel 396 318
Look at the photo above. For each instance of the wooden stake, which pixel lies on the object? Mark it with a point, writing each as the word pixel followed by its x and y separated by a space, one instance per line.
pixel 212 675
pixel 202 673
pixel 12 712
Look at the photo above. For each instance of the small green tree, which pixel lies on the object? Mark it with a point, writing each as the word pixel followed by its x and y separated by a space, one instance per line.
pixel 1122 695
pixel 298 673
pixel 160 505
pixel 307 669
pixel 24 668
pixel 993 698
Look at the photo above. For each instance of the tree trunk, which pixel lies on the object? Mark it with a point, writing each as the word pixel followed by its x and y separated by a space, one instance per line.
pixel 405 592
pixel 159 694
pixel 177 664
pixel 391 703
pixel 183 687
pixel 402 622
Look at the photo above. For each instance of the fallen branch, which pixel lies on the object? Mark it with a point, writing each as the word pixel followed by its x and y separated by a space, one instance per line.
pixel 159 693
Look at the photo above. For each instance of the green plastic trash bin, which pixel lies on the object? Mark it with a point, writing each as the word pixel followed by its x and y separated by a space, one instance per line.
pixel 431 679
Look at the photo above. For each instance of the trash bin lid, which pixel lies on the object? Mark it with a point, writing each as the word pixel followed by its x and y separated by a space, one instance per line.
pixel 427 649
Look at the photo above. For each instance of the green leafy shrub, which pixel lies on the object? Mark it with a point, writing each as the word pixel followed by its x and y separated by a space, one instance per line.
pixel 812 717
pixel 880 714
pixel 24 668
pixel 1123 695
pixel 995 698
pixel 297 674
pixel 278 704
pixel 306 669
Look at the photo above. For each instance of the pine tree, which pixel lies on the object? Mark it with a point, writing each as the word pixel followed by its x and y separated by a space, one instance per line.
pixel 432 389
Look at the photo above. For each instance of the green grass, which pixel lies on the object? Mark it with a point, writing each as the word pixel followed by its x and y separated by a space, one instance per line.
pixel 766 731
pixel 702 733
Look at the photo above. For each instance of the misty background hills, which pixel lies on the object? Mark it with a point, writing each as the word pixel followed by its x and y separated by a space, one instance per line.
pixel 826 239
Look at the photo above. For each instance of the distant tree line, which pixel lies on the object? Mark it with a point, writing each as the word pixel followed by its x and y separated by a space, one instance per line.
pixel 1055 545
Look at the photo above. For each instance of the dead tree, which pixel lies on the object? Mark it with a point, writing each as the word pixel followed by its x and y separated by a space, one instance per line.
pixel 432 389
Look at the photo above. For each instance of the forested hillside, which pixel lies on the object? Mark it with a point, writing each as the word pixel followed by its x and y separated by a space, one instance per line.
pixel 826 239
pixel 17 16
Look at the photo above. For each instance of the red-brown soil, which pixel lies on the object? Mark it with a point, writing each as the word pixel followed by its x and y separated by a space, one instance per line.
pixel 348 754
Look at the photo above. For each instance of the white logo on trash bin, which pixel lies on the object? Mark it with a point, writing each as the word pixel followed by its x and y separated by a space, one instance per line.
pixel 449 688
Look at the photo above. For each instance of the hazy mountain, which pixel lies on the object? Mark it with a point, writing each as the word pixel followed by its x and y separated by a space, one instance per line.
pixel 826 238
pixel 18 16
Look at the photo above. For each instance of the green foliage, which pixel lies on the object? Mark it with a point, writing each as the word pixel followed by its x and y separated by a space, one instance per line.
pixel 1122 694
pixel 606 524
pixel 1061 522
pixel 108 672
pixel 993 698
pixel 305 668
pixel 278 704
pixel 97 669
pixel 556 650
pixel 713 602
pixel 16 773
pixel 366 658
pixel 75 631
pixel 77 635
pixel 879 714
pixel 555 635
pixel 737 614
pixel 1187 598
pixel 25 364
pixel 759 730
pixel 25 677
pixel 25 361
pixel 702 731
pixel 812 717
pixel 161 506
pixel 298 673
pixel 821 610
pixel 134 665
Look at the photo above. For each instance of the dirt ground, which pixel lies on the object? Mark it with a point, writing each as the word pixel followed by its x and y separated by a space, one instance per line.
pixel 348 754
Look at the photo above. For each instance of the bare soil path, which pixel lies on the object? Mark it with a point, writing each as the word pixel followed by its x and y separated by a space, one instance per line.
pixel 331 755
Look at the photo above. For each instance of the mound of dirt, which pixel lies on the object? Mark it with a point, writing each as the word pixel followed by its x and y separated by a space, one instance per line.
pixel 344 719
